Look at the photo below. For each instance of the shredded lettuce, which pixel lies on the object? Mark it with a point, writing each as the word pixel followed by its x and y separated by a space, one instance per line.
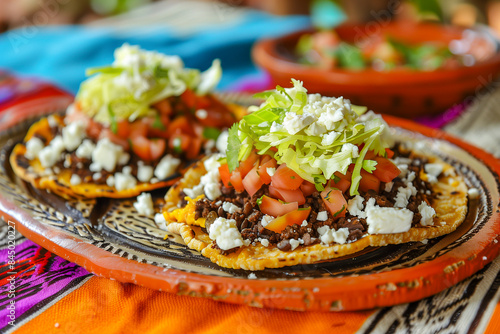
pixel 315 152
pixel 136 80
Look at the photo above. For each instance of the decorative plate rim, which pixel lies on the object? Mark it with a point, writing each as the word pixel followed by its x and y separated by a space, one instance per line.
pixel 330 293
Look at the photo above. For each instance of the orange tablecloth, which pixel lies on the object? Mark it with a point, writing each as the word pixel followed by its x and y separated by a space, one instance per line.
pixel 98 305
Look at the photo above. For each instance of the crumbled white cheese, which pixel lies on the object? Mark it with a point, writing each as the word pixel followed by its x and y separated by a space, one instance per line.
pixel 124 181
pixel 332 112
pixel 404 194
pixel 127 170
pixel 105 156
pixel 315 129
pixel 473 193
pixel 276 127
pixel 110 181
pixel 329 235
pixel 270 171
pixel 353 149
pixel 212 191
pixel 201 113
pixel 388 187
pixel 194 192
pixel 304 223
pixel 96 176
pixel 166 167
pixel 75 180
pixel 388 220
pixel 212 163
pixel 328 138
pixel 84 151
pixel 266 219
pixel 160 221
pixel 433 171
pixel 230 207
pixel 209 146
pixel 264 242
pixel 225 233
pixel 67 161
pixel 252 276
pixel 322 216
pixel 33 147
pixel 221 143
pixel 355 206
pixel 427 212
pixel 294 243
pixel 410 177
pixel 144 204
pixel 72 135
pixel 209 182
pixel 53 122
pixel 293 122
pixel 403 168
pixel 51 153
pixel 144 172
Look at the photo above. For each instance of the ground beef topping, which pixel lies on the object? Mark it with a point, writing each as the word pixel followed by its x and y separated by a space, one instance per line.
pixel 248 215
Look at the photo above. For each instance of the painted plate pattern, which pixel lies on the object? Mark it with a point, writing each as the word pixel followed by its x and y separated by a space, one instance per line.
pixel 109 238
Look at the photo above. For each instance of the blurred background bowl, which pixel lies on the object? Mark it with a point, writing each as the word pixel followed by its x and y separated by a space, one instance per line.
pixel 403 92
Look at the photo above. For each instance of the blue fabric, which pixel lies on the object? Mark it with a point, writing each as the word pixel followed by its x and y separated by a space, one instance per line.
pixel 61 54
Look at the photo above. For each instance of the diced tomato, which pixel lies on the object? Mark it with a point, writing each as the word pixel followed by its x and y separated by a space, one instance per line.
pixel 138 129
pixel 180 124
pixel 285 178
pixel 157 127
pixel 194 148
pixel 203 102
pixel 123 129
pixel 163 107
pixel 370 155
pixel 225 175
pixel 389 152
pixel 189 98
pixel 264 175
pixel 107 133
pixel 335 202
pixel 347 176
pixel 179 142
pixel 236 181
pixel 275 208
pixel 341 184
pixel 252 181
pixel 368 182
pixel 93 129
pixel 291 218
pixel 265 158
pixel 385 170
pixel 141 147
pixel 157 147
pixel 218 115
pixel 287 195
pixel 307 188
pixel 247 165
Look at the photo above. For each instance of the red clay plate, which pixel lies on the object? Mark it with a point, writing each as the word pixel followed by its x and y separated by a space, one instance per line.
pixel 108 238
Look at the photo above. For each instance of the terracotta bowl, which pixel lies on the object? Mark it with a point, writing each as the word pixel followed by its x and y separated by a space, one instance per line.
pixel 402 92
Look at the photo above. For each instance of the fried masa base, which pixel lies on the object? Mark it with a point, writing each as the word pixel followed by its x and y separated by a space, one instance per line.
pixel 450 206
pixel 60 184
